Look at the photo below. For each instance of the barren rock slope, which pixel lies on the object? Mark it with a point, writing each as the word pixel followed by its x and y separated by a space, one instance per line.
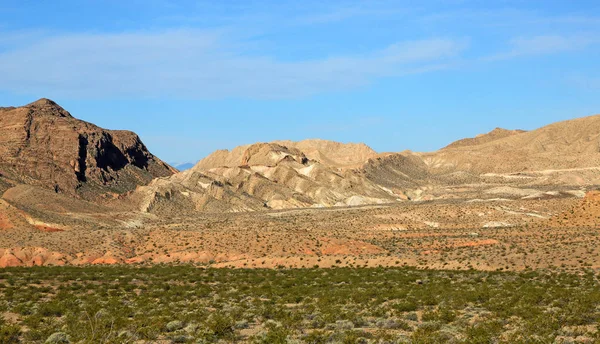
pixel 260 176
pixel 561 155
pixel 42 144
pixel 562 145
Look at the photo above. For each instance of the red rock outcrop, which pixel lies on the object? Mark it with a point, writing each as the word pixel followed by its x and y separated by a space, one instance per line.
pixel 42 144
pixel 584 214
pixel 30 256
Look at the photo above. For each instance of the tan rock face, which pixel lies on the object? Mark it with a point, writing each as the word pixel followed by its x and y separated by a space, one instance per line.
pixel 42 144
pixel 334 154
pixel 258 154
pixel 320 173
pixel 563 154
pixel 472 200
pixel 329 153
pixel 493 135
pixel 562 145
pixel 262 176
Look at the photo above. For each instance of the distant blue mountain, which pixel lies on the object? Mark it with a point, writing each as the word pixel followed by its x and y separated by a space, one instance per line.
pixel 183 166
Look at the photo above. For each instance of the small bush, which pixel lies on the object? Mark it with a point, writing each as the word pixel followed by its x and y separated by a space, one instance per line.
pixel 9 333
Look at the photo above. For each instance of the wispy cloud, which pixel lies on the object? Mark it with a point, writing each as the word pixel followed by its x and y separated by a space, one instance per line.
pixel 506 16
pixel 229 62
pixel 540 45
pixel 199 64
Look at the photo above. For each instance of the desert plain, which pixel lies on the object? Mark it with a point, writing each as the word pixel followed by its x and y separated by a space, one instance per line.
pixel 311 242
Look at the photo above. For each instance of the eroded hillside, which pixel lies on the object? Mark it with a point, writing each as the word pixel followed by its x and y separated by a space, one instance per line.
pixel 73 193
pixel 41 144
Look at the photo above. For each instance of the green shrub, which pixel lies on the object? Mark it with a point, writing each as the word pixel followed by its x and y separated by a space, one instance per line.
pixel 10 333
pixel 221 326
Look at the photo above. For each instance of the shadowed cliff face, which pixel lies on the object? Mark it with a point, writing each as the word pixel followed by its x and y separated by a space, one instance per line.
pixel 42 144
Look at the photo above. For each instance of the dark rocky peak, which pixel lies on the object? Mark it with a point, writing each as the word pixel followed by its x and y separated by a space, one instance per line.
pixel 45 106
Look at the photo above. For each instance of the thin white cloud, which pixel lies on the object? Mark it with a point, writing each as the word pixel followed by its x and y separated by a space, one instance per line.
pixel 509 17
pixel 199 64
pixel 541 45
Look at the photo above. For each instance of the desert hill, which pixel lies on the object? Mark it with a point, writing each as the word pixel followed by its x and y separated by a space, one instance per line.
pixel 561 156
pixel 478 203
pixel 42 144
pixel 563 145
pixel 329 153
pixel 493 135
pixel 554 161
pixel 333 154
pixel 262 176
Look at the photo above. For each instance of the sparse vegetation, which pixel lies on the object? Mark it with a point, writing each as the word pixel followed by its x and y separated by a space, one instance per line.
pixel 185 304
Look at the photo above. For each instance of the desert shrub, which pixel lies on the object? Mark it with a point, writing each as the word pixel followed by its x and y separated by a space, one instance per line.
pixel 316 337
pixel 427 332
pixel 58 338
pixel 221 326
pixel 274 334
pixel 174 325
pixel 315 305
pixel 406 306
pixel 51 309
pixel 9 333
pixel 485 332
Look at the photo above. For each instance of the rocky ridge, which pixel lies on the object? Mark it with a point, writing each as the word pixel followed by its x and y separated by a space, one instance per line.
pixel 260 176
pixel 42 144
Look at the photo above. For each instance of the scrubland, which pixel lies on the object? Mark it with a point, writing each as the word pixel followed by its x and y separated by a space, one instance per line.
pixel 187 304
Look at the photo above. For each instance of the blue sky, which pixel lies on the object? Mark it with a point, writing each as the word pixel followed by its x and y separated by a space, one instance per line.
pixel 194 76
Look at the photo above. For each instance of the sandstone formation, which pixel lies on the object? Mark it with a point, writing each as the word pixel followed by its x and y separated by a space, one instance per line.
pixel 258 177
pixel 561 156
pixel 41 144
pixel 30 256
pixel 334 154
pixel 569 144
pixel 554 161
pixel 493 135
pixel 73 193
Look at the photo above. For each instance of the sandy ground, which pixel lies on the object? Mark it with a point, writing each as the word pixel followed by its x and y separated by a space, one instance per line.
pixel 495 235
